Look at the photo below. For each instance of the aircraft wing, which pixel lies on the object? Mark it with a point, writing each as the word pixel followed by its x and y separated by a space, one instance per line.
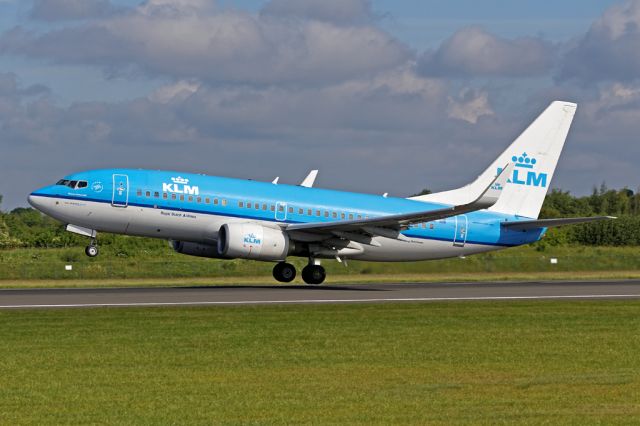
pixel 548 223
pixel 391 225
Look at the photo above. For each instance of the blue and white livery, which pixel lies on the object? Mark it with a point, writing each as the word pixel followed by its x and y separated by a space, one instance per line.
pixel 227 218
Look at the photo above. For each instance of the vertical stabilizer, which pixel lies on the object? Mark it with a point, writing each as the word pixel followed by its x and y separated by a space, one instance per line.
pixel 535 154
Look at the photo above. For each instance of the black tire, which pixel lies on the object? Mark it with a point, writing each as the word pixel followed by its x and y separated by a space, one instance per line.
pixel 284 272
pixel 313 274
pixel 91 251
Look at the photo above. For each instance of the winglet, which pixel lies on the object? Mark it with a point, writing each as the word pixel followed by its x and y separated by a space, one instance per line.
pixel 492 193
pixel 310 179
pixel 275 181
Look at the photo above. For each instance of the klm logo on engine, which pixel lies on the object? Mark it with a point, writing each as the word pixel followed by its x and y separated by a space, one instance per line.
pixel 252 239
pixel 524 173
pixel 180 185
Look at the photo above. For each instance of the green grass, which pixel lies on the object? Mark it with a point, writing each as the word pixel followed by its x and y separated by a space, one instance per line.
pixel 471 362
pixel 163 263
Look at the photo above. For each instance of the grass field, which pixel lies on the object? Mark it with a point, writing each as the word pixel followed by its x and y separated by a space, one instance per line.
pixel 162 263
pixel 471 362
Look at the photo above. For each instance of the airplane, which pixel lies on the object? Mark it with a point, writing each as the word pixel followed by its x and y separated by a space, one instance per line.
pixel 227 218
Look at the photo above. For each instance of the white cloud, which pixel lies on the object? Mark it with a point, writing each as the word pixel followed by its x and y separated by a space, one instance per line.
pixel 335 11
pixel 187 40
pixel 473 52
pixel 609 50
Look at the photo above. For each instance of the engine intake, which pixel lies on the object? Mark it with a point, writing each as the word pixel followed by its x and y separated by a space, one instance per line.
pixel 252 241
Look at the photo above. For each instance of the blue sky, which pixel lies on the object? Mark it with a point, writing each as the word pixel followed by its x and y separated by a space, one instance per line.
pixel 380 95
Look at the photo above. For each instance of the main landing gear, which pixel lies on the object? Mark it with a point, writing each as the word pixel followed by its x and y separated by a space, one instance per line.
pixel 284 272
pixel 311 274
pixel 92 249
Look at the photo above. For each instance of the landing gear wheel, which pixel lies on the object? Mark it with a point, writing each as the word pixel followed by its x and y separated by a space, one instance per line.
pixel 91 250
pixel 284 272
pixel 313 274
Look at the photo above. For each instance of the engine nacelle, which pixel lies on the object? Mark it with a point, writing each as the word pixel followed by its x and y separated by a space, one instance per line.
pixel 252 241
pixel 195 249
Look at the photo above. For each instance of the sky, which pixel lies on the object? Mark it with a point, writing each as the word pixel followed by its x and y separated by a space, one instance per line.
pixel 380 96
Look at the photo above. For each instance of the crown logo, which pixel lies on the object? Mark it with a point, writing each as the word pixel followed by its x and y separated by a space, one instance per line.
pixel 524 161
pixel 180 180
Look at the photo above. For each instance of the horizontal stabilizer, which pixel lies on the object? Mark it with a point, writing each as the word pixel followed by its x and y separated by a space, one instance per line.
pixel 548 223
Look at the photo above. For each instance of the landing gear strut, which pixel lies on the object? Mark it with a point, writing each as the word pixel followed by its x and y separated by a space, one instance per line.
pixel 92 249
pixel 284 272
pixel 313 274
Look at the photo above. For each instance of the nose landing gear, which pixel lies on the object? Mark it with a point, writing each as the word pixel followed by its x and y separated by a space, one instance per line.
pixel 92 249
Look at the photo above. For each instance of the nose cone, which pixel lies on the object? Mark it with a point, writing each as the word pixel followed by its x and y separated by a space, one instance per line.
pixel 35 201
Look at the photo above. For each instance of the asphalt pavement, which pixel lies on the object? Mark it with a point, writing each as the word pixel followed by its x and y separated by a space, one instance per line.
pixel 285 294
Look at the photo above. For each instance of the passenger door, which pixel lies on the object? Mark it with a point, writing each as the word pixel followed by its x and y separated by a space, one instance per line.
pixel 462 229
pixel 120 196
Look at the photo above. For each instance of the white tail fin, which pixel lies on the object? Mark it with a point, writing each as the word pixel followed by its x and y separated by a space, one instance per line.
pixel 535 154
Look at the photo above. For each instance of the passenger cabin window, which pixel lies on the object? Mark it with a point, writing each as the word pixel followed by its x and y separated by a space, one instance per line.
pixel 182 198
pixel 240 204
pixel 156 195
pixel 199 200
pixel 249 205
pixel 290 209
pixel 139 192
pixel 224 203
pixel 174 196
pixel 334 215
pixel 300 211
pixel 165 195
pixel 264 207
pixel 191 198
pixel 148 193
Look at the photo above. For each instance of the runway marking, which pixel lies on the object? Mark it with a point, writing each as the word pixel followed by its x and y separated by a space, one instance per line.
pixel 320 301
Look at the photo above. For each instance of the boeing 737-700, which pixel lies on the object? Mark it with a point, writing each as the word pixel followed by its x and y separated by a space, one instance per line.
pixel 228 218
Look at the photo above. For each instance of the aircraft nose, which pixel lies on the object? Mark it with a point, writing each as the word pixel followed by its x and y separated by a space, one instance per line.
pixel 33 200
pixel 36 202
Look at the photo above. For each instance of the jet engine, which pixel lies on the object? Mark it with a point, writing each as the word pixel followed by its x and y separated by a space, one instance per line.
pixel 252 241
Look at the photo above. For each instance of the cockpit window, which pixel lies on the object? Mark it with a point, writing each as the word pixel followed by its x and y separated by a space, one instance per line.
pixel 73 184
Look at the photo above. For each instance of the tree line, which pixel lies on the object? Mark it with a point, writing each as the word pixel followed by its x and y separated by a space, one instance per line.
pixel 26 227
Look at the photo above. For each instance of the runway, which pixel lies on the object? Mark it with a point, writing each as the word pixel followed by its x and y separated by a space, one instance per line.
pixel 281 294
